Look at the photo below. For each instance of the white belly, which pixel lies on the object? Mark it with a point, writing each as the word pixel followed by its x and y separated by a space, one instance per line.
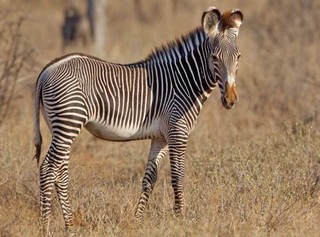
pixel 115 133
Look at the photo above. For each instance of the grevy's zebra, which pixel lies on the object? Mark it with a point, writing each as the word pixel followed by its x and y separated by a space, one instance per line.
pixel 158 98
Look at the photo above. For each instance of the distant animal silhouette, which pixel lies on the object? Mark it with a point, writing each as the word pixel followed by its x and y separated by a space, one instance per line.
pixel 75 28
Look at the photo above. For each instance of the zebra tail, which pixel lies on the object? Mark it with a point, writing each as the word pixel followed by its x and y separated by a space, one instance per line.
pixel 37 133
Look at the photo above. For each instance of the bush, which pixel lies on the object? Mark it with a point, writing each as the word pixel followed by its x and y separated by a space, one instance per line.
pixel 13 58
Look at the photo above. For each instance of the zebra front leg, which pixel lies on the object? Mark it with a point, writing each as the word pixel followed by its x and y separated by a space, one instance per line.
pixel 177 147
pixel 158 150
pixel 61 185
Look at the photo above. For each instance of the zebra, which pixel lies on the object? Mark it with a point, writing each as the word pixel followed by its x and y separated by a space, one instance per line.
pixel 158 98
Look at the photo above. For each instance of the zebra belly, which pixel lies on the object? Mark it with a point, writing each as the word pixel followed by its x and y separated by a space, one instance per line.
pixel 116 133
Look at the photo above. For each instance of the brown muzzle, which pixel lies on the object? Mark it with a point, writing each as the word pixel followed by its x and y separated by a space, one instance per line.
pixel 230 97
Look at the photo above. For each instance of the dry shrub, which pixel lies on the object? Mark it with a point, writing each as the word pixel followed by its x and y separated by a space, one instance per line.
pixel 15 56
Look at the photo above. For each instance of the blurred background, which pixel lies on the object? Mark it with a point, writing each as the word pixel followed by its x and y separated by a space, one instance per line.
pixel 278 79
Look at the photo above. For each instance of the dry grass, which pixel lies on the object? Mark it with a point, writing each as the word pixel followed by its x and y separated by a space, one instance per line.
pixel 252 171
pixel 262 187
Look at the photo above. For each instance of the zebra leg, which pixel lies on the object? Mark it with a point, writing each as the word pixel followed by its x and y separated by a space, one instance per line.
pixel 48 174
pixel 54 171
pixel 61 185
pixel 158 150
pixel 177 147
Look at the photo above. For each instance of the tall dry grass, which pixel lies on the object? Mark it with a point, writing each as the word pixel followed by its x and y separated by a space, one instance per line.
pixel 251 171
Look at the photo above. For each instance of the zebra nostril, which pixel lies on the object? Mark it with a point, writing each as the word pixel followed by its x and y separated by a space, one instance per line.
pixel 228 104
pixel 224 100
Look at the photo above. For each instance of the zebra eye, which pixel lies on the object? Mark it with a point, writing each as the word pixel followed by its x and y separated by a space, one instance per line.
pixel 214 57
pixel 239 56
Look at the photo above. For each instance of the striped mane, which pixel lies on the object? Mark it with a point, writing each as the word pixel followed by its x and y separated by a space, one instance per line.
pixel 178 47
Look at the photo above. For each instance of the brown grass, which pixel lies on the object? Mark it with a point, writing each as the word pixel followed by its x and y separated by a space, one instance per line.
pixel 251 171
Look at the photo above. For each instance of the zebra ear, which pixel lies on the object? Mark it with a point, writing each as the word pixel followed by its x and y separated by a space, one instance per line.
pixel 231 19
pixel 210 19
pixel 236 18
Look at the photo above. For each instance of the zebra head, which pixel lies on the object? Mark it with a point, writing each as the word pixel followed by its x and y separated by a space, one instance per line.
pixel 222 31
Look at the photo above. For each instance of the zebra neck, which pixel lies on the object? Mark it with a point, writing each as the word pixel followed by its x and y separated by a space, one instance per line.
pixel 185 60
pixel 195 79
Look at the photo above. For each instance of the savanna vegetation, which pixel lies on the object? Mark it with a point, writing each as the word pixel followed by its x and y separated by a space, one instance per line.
pixel 250 171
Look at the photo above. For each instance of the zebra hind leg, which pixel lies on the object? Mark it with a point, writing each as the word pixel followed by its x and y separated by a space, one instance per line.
pixel 158 150
pixel 49 170
pixel 54 172
pixel 61 185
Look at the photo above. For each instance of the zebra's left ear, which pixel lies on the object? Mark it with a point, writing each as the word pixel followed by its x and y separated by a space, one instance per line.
pixel 235 18
pixel 231 19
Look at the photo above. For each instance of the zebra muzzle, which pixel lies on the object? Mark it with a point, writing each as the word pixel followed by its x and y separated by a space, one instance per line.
pixel 230 97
